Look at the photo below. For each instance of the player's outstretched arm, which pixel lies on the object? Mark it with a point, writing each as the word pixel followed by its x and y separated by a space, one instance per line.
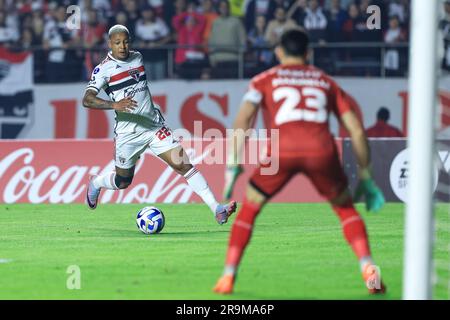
pixel 359 139
pixel 90 100
pixel 242 123
pixel 373 196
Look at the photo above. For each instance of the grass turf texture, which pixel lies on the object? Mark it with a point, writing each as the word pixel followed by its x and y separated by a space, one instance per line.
pixel 297 252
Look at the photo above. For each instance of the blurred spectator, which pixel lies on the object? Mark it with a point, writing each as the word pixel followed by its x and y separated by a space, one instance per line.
pixel 277 26
pixel 171 9
pixel 23 7
pixel 102 7
pixel 336 19
pixel 392 58
pixel 26 40
pixel 85 7
pixel 286 4
pixel 237 8
pixel 258 8
pixel 132 11
pixel 260 57
pixel 315 22
pixel 120 18
pixel 7 5
pixel 326 58
pixel 180 6
pixel 444 26
pixel 353 22
pixel 363 61
pixel 37 24
pixel 352 30
pixel 158 6
pixel 61 63
pixel 8 32
pixel 398 8
pixel 39 58
pixel 210 15
pixel 227 31
pixel 151 33
pixel 190 27
pixel 344 4
pixel 297 12
pixel 363 5
pixel 91 35
pixel 26 22
pixel 381 129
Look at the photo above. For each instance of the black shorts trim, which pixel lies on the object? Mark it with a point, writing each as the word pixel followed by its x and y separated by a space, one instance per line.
pixel 265 194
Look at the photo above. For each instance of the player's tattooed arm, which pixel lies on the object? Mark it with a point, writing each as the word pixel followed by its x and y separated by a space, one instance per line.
pixel 359 139
pixel 90 100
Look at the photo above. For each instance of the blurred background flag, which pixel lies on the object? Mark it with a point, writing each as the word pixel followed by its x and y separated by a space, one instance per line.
pixel 16 92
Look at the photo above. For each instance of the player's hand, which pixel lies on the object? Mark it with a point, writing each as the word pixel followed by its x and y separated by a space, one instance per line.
pixel 373 196
pixel 231 175
pixel 125 105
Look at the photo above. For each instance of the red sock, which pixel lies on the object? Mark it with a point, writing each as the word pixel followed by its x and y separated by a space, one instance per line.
pixel 354 229
pixel 241 232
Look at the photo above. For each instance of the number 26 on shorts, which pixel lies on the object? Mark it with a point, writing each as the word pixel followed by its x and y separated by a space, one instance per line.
pixel 163 133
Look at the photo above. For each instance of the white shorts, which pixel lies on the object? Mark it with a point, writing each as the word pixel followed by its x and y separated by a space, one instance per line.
pixel 129 146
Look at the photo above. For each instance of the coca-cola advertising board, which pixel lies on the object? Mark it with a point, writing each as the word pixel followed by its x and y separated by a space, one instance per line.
pixel 57 172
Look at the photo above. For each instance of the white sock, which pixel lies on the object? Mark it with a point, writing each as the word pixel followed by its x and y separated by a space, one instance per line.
pixel 364 261
pixel 105 181
pixel 229 270
pixel 198 183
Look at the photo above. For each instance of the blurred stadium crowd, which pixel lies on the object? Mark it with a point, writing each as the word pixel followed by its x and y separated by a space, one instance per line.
pixel 210 38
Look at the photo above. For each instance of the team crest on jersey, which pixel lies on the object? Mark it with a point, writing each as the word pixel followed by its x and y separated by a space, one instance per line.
pixel 134 73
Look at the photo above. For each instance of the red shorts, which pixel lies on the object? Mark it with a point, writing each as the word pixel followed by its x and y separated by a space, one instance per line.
pixel 325 172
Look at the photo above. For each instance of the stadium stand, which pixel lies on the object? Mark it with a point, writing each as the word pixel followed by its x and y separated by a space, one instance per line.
pixel 342 44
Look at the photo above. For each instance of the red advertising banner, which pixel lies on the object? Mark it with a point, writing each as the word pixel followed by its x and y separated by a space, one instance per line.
pixel 56 171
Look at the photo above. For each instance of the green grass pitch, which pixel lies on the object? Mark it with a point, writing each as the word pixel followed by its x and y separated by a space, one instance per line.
pixel 297 252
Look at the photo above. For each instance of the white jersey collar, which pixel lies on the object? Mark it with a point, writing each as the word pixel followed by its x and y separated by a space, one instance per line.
pixel 117 60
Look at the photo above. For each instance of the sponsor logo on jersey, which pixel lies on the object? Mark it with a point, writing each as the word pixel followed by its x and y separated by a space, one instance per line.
pixel 130 92
pixel 134 73
pixel 117 66
pixel 96 70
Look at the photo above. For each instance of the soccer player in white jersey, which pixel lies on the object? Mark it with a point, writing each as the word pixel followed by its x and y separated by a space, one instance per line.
pixel 139 125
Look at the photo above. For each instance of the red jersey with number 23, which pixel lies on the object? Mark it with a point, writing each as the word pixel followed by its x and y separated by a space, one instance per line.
pixel 297 100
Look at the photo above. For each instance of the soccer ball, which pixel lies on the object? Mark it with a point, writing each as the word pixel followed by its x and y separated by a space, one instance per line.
pixel 150 220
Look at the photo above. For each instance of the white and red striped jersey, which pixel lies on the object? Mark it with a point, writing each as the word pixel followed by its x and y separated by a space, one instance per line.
pixel 120 79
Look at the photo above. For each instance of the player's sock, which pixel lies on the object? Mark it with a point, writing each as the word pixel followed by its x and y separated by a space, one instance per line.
pixel 198 183
pixel 105 181
pixel 354 230
pixel 241 233
pixel 364 261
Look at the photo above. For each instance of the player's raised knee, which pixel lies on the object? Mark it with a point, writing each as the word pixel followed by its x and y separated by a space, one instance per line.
pixel 123 182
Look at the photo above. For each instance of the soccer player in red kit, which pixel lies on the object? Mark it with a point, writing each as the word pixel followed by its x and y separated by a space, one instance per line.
pixel 297 99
